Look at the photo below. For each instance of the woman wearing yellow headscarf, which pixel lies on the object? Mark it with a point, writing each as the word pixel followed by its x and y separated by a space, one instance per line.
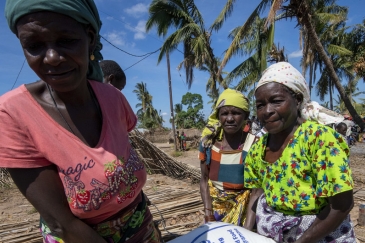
pixel 222 152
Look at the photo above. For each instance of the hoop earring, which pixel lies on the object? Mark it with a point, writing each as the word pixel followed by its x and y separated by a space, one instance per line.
pixel 92 57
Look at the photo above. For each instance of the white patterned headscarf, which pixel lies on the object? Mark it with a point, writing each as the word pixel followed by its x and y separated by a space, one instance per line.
pixel 284 73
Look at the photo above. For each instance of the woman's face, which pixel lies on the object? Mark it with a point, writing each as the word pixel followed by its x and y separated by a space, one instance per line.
pixel 232 119
pixel 57 48
pixel 277 109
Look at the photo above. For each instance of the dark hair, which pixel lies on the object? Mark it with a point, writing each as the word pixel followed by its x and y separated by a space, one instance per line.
pixel 111 67
pixel 341 124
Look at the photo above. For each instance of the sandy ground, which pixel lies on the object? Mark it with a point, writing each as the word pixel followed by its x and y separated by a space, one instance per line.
pixel 15 208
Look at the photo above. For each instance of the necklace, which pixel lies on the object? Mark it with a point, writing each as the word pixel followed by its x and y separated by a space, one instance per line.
pixel 64 119
pixel 239 146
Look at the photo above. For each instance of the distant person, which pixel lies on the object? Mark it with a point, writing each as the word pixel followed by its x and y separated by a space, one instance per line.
pixel 341 128
pixel 183 141
pixel 113 74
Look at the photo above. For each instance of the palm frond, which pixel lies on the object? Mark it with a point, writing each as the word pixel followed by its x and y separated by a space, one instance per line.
pixel 224 14
pixel 242 32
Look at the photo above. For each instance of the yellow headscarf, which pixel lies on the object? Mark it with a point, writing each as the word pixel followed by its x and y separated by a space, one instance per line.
pixel 213 130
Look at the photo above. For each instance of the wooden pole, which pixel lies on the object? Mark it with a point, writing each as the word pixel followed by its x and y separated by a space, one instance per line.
pixel 171 103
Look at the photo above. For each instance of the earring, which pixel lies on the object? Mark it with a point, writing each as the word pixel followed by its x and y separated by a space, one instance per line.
pixel 92 57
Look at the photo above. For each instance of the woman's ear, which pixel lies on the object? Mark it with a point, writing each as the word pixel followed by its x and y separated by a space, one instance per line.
pixel 92 37
pixel 299 98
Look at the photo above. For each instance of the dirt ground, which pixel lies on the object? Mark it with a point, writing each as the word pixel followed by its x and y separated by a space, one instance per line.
pixel 14 208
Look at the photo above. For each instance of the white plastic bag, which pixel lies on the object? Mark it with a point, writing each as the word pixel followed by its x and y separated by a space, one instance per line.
pixel 218 232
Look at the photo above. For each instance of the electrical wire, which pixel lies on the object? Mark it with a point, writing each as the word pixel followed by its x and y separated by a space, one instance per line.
pixel 18 75
pixel 109 15
pixel 141 60
pixel 128 52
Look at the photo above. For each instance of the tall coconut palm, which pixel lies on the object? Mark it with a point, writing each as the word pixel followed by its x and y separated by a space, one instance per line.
pixel 185 18
pixel 143 96
pixel 303 11
pixel 257 44
pixel 146 113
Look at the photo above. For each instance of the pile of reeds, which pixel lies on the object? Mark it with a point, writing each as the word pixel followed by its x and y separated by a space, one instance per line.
pixel 5 179
pixel 177 208
pixel 26 231
pixel 158 162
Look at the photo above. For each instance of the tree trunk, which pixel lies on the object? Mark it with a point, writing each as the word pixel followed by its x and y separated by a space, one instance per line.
pixel 310 78
pixel 170 94
pixel 330 91
pixel 305 19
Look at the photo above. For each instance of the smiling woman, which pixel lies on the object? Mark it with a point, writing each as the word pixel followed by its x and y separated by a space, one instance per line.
pixel 65 137
pixel 299 170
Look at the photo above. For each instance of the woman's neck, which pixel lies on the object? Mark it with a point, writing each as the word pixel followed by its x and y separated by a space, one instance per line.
pixel 232 141
pixel 77 97
pixel 277 140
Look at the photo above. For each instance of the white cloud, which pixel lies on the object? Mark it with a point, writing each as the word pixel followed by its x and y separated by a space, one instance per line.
pixel 116 38
pixel 109 18
pixel 296 54
pixel 137 10
pixel 164 114
pixel 139 30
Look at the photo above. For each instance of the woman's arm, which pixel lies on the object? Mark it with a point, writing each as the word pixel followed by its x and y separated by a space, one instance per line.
pixel 251 208
pixel 330 218
pixel 204 192
pixel 44 190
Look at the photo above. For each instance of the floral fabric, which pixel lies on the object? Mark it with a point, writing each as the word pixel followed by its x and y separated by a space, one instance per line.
pixel 313 166
pixel 229 206
pixel 289 228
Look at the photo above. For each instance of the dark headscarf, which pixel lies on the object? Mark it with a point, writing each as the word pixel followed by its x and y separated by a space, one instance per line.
pixel 83 11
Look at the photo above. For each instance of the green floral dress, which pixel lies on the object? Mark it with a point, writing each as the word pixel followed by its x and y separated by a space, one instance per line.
pixel 312 167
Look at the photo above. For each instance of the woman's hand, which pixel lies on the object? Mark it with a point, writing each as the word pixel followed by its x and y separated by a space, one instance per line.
pixel 330 218
pixel 204 192
pixel 44 190
pixel 251 208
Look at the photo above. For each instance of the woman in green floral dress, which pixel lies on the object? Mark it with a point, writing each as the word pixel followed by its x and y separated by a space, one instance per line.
pixel 300 169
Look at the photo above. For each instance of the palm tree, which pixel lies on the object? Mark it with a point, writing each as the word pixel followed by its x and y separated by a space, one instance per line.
pixel 303 11
pixel 257 44
pixel 184 16
pixel 329 20
pixel 178 119
pixel 143 96
pixel 147 114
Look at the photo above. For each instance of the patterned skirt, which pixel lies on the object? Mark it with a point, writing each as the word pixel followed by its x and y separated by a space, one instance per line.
pixel 289 228
pixel 136 225
pixel 229 206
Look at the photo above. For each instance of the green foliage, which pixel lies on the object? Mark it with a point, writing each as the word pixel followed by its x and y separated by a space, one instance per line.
pixel 148 116
pixel 193 116
pixel 184 18
pixel 176 154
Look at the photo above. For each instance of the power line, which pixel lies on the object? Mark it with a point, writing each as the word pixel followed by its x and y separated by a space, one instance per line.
pixel 128 52
pixel 18 75
pixel 141 59
pixel 133 27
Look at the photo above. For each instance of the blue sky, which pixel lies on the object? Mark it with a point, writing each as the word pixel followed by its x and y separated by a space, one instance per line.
pixel 124 26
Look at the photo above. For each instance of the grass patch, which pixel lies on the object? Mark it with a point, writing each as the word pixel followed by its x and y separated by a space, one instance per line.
pixel 176 154
pixel 32 211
